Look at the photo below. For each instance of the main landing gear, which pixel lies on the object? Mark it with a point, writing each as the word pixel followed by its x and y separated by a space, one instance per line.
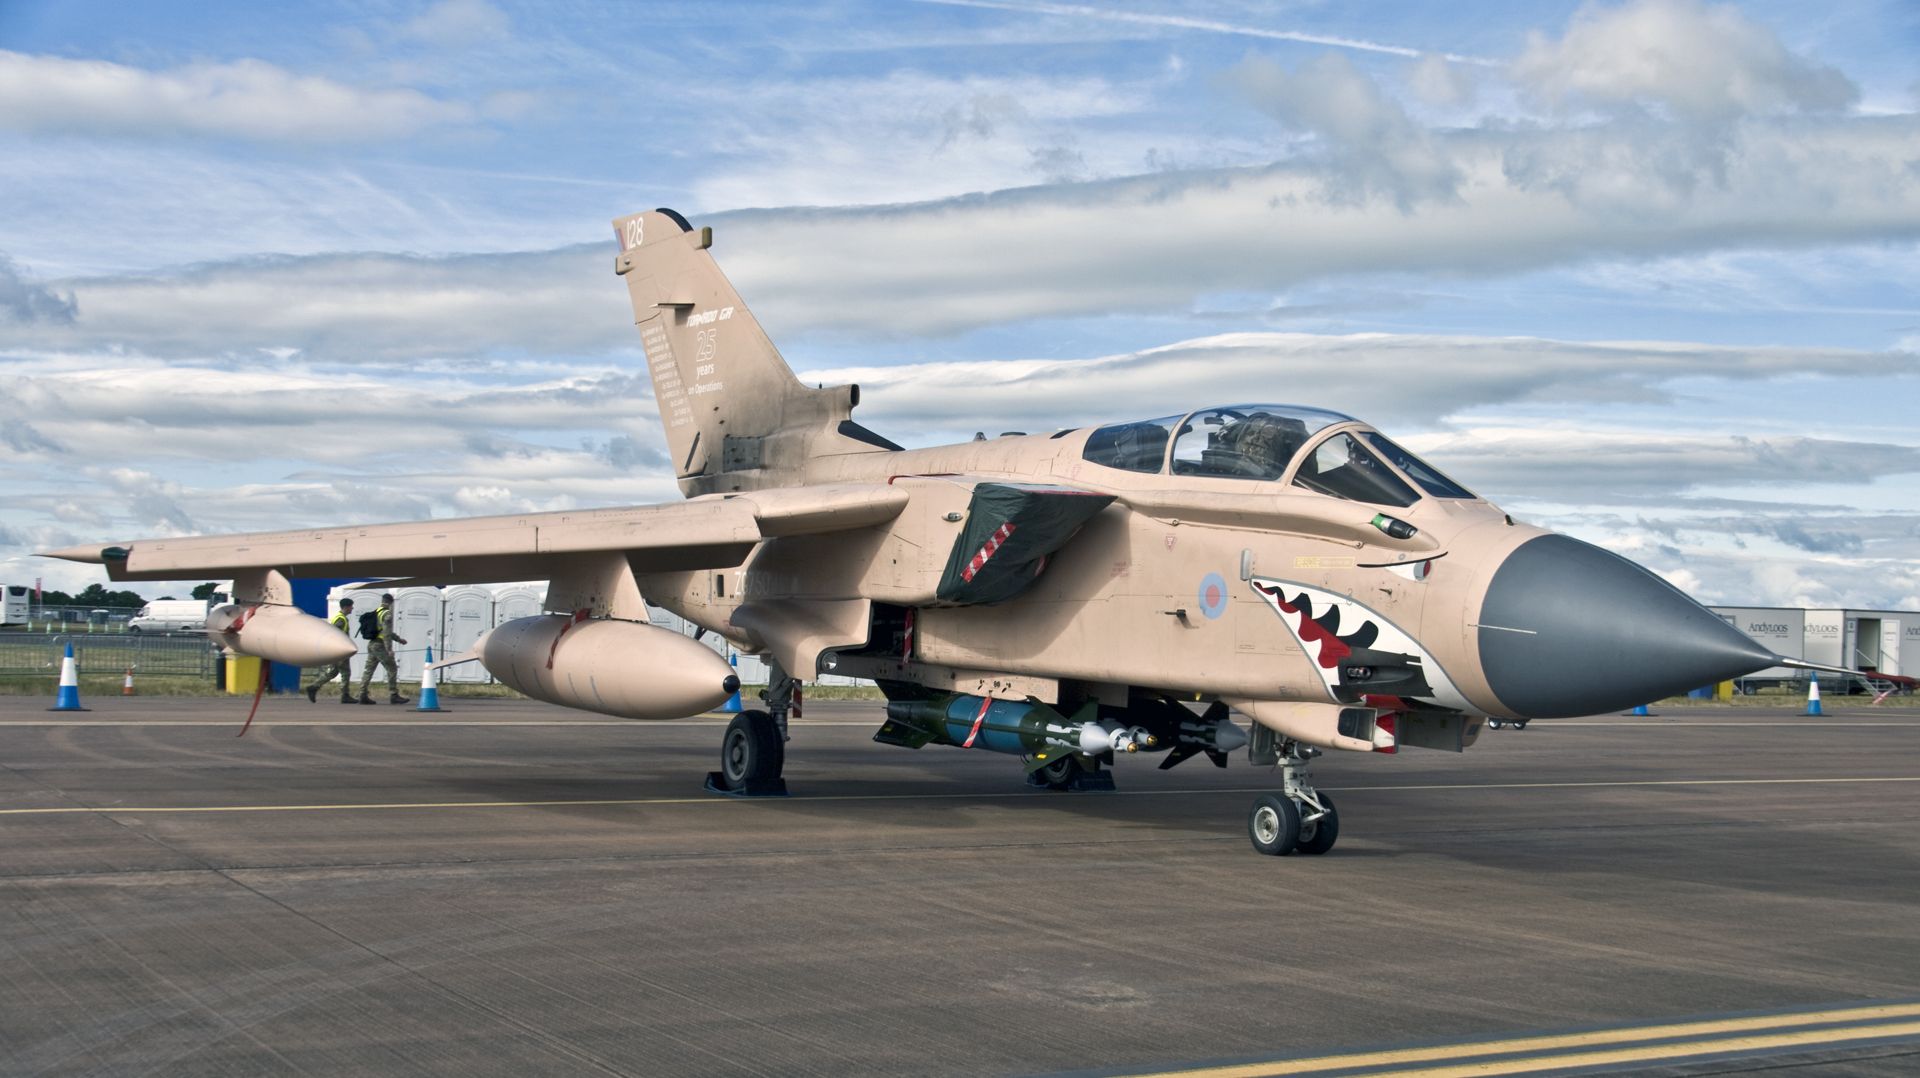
pixel 754 748
pixel 1298 819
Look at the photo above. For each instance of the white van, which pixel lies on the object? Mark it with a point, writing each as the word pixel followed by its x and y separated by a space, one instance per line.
pixel 171 616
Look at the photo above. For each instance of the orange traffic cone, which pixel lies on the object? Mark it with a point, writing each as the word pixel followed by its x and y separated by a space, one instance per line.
pixel 126 687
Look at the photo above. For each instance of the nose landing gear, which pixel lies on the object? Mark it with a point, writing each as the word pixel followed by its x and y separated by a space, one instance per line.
pixel 1298 819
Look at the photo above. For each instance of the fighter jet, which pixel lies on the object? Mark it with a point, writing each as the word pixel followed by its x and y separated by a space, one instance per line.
pixel 1071 597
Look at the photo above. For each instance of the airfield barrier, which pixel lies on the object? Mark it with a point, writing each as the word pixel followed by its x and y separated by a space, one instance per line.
pixel 29 654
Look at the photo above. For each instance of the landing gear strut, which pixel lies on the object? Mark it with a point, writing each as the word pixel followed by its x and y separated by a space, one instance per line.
pixel 753 751
pixel 1298 819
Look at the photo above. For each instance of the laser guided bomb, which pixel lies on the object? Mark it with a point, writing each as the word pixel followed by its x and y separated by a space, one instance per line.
pixel 621 668
pixel 1060 750
pixel 1061 596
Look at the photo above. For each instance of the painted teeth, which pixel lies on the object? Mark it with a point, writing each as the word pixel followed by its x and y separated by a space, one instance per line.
pixel 1329 619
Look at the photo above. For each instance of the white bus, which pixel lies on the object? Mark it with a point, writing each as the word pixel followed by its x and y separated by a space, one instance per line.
pixel 17 605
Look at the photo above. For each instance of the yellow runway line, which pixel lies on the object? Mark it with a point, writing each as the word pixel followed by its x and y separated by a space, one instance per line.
pixel 1671 1053
pixel 1538 1053
pixel 721 799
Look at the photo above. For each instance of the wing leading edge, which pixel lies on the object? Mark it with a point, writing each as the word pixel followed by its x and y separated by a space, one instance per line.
pixel 710 532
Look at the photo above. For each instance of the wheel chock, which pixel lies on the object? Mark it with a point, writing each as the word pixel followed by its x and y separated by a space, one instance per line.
pixel 1089 781
pixel 717 784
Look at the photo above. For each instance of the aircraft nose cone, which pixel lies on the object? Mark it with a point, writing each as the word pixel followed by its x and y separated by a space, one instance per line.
pixel 1569 629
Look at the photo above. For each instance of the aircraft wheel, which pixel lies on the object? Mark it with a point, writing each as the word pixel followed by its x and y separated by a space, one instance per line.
pixel 1274 825
pixel 751 753
pixel 1059 774
pixel 1318 836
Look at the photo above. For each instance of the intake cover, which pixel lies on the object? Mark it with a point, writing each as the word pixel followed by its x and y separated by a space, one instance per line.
pixel 1010 530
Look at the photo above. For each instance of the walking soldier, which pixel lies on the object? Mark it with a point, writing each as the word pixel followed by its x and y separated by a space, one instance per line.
pixel 342 669
pixel 377 627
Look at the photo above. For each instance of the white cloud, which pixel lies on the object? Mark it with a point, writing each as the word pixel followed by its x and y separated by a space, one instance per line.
pixel 355 308
pixel 1701 62
pixel 1442 83
pixel 243 99
pixel 1863 561
pixel 124 207
pixel 1615 467
pixel 285 444
pixel 23 299
pixel 456 23
pixel 1372 145
pixel 913 135
pixel 1524 200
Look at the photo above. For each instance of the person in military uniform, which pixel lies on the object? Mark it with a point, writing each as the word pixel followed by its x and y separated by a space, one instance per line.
pixel 380 653
pixel 344 668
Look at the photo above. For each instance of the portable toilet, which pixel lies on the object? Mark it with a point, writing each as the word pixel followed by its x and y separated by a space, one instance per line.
pixel 417 620
pixel 517 601
pixel 469 613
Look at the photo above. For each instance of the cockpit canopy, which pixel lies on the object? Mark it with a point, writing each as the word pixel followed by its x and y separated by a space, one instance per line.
pixel 1262 442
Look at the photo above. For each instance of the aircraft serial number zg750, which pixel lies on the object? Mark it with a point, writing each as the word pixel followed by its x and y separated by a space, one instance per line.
pixel 1068 598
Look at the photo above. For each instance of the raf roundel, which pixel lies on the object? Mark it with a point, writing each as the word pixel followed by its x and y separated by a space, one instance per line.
pixel 1213 595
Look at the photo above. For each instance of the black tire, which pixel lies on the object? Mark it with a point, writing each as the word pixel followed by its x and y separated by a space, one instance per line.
pixel 751 753
pixel 1060 773
pixel 1319 836
pixel 1273 825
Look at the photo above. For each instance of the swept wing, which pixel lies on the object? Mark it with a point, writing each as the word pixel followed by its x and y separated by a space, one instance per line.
pixel 709 532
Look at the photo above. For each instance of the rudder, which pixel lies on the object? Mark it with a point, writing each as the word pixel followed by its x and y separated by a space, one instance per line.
pixel 735 416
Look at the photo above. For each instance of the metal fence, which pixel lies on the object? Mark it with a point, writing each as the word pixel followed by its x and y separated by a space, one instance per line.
pixel 108 653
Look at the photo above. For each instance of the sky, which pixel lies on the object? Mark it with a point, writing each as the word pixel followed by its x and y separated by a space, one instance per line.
pixel 1641 272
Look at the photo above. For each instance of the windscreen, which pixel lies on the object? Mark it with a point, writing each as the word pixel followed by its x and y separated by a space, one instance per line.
pixel 1342 467
pixel 1429 477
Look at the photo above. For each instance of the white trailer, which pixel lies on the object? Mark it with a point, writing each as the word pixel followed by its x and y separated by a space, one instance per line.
pixel 1871 641
pixel 1874 637
pixel 1781 630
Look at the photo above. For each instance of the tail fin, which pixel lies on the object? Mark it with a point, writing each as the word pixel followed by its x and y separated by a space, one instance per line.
pixel 736 418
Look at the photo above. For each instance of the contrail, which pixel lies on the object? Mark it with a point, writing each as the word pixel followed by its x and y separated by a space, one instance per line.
pixel 1183 22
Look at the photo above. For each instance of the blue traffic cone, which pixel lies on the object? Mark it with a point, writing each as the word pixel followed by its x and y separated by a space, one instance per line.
pixel 1813 693
pixel 732 705
pixel 68 699
pixel 429 685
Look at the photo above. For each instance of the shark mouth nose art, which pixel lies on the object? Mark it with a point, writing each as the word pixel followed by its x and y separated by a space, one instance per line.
pixel 1357 651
